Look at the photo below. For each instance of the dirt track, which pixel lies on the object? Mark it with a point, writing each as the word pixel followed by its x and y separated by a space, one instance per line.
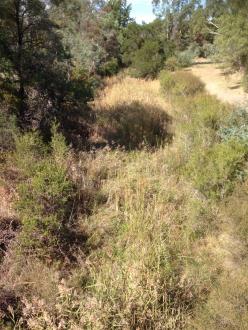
pixel 226 87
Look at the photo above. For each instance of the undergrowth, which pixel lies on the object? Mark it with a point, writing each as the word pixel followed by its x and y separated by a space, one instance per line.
pixel 161 227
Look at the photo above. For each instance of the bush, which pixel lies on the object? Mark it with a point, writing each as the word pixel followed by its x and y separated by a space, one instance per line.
pixel 44 204
pixel 148 60
pixel 109 68
pixel 236 127
pixel 185 59
pixel 180 60
pixel 215 170
pixel 208 50
pixel 8 131
pixel 180 83
pixel 171 63
pixel 29 149
pixel 203 116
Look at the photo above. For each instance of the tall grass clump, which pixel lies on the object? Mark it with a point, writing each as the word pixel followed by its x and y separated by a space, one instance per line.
pixel 215 171
pixel 8 132
pixel 148 229
pixel 180 83
pixel 131 119
pixel 134 125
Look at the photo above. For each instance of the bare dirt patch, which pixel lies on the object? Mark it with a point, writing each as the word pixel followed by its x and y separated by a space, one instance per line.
pixel 227 87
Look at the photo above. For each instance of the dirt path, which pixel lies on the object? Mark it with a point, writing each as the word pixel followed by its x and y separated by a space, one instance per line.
pixel 226 87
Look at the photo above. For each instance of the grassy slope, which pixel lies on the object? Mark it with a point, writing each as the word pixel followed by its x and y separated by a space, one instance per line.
pixel 159 254
pixel 164 245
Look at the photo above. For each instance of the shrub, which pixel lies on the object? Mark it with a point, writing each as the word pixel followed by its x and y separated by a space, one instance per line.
pixel 110 67
pixel 180 60
pixel 29 149
pixel 235 127
pixel 208 50
pixel 44 204
pixel 148 60
pixel 171 63
pixel 185 58
pixel 8 132
pixel 215 170
pixel 180 83
pixel 203 116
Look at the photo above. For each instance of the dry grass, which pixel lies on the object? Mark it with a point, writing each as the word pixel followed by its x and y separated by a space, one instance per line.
pixel 159 255
pixel 128 90
pixel 131 113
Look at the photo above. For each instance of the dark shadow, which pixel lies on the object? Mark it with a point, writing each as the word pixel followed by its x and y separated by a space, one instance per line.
pixel 132 126
pixel 225 73
pixel 235 86
pixel 202 63
pixel 9 227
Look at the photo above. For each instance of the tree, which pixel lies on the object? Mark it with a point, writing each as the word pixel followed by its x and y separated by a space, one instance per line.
pixel 31 46
pixel 177 16
pixel 199 27
pixel 232 40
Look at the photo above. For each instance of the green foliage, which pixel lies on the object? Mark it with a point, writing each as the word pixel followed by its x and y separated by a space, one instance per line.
pixel 171 64
pixel 132 41
pixel 45 196
pixel 235 127
pixel 143 48
pixel 148 60
pixel 203 116
pixel 28 150
pixel 109 68
pixel 8 132
pixel 185 58
pixel 214 171
pixel 180 83
pixel 208 50
pixel 180 60
pixel 232 40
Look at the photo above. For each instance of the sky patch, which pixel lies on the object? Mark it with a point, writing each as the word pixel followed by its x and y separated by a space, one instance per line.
pixel 142 11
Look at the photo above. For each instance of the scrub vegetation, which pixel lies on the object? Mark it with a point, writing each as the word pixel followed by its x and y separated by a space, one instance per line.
pixel 123 182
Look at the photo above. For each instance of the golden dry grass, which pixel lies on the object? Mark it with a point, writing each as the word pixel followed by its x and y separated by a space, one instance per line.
pixel 128 90
pixel 131 113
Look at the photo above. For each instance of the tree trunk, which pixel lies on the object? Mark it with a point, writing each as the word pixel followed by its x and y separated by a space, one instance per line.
pixel 21 92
